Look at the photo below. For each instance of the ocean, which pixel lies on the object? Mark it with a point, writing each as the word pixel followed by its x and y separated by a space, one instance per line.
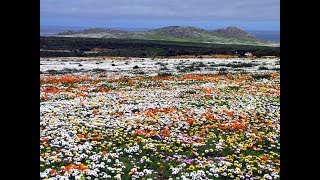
pixel 267 35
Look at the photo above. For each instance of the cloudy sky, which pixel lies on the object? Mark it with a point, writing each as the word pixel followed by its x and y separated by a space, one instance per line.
pixel 208 14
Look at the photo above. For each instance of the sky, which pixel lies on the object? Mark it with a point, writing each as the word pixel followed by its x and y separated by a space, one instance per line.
pixel 207 14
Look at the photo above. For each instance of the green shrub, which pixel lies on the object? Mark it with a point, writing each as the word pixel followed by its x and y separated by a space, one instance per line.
pixel 164 74
pixel 263 68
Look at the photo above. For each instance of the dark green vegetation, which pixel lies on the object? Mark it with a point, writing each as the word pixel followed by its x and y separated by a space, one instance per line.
pixel 82 47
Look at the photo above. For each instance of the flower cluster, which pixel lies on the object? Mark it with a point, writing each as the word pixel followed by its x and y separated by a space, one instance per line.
pixel 177 127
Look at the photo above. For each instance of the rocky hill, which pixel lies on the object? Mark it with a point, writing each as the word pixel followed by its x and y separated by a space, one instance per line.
pixel 229 35
pixel 234 31
pixel 182 32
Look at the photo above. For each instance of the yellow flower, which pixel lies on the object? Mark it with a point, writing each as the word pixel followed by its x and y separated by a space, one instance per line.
pixel 191 168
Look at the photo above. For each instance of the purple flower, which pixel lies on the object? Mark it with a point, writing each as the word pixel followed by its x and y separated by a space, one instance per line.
pixel 189 161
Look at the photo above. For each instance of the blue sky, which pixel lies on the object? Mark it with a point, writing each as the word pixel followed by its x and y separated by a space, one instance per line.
pixel 208 14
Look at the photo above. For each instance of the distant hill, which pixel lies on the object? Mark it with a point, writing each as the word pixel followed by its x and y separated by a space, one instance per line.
pixel 181 32
pixel 228 35
pixel 233 31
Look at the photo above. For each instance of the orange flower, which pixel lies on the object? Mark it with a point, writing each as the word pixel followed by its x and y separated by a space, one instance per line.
pixel 104 153
pixel 80 136
pixel 166 132
pixel 190 120
pixel 52 171
pixel 209 116
pixel 82 167
pixel 153 132
pixel 95 112
pixel 254 129
pixel 264 157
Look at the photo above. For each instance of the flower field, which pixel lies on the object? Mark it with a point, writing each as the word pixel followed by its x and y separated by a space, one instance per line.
pixel 101 125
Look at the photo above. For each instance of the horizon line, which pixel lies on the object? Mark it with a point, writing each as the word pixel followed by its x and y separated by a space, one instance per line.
pixel 63 26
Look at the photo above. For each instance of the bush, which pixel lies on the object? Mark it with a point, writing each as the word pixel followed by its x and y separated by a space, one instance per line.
pixel 223 71
pixel 164 74
pixel 51 71
pixel 201 64
pixel 164 68
pixel 263 68
pixel 140 72
pixel 243 71
pixel 98 70
pixel 241 65
pixel 261 76
pixel 198 64
pixel 161 64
